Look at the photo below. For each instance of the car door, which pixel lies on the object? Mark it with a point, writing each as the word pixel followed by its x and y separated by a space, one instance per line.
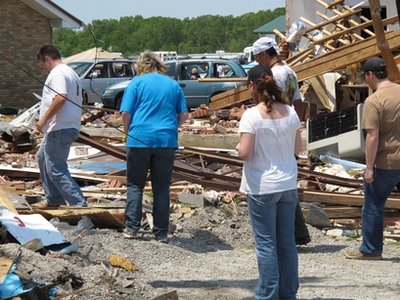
pixel 194 90
pixel 104 74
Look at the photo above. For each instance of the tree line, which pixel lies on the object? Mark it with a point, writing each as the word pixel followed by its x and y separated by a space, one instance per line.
pixel 135 34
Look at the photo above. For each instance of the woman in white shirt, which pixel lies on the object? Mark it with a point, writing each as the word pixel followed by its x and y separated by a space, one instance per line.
pixel 269 138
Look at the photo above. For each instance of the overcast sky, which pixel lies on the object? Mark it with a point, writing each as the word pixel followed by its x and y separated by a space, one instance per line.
pixel 89 10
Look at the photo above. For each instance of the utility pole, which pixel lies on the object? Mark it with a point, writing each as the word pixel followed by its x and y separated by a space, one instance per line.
pixel 375 8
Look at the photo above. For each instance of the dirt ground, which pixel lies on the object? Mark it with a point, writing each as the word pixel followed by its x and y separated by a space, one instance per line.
pixel 210 256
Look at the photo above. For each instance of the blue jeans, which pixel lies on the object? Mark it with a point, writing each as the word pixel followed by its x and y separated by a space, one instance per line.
pixel 160 162
pixel 375 196
pixel 59 187
pixel 272 219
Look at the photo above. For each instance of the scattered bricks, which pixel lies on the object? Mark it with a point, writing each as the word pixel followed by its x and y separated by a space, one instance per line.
pixel 214 119
pixel 222 113
pixel 236 113
pixel 207 131
pixel 192 200
pixel 220 129
pixel 201 112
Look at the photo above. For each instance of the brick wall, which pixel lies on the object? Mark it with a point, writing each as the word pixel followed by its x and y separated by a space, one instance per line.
pixel 22 32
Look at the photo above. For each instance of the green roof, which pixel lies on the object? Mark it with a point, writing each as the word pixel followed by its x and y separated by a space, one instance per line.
pixel 278 23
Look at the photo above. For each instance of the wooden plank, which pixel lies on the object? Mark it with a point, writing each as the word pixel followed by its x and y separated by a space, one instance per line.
pixel 228 98
pixel 387 21
pixel 341 13
pixel 341 26
pixel 334 19
pixel 343 56
pixel 223 79
pixel 299 57
pixel 319 87
pixel 342 199
pixel 340 212
pixel 5 266
pixel 5 201
pixel 100 217
pixel 393 71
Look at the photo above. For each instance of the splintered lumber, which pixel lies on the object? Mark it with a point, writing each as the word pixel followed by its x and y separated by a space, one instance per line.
pixel 319 87
pixel 5 201
pixel 229 98
pixel 5 265
pixel 383 46
pixel 343 56
pixel 223 79
pixel 339 212
pixel 101 218
pixel 342 199
pixel 299 57
pixel 388 21
pixel 334 20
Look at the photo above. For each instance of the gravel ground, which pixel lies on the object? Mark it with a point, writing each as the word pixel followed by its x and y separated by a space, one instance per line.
pixel 211 256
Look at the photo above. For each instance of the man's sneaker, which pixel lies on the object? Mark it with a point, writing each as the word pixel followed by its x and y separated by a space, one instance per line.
pixel 356 254
pixel 162 238
pixel 129 234
pixel 303 241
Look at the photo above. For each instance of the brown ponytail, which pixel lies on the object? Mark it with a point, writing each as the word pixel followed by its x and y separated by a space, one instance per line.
pixel 269 92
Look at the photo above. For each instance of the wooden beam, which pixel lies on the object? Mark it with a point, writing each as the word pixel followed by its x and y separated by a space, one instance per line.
pixel 342 199
pixel 387 21
pixel 341 26
pixel 340 13
pixel 393 71
pixel 299 57
pixel 335 3
pixel 344 56
pixel 5 201
pixel 229 98
pixel 334 20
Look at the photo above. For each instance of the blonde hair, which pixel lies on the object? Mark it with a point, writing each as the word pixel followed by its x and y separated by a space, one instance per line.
pixel 150 62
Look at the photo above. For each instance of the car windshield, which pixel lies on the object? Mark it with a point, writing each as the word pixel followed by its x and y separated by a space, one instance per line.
pixel 80 68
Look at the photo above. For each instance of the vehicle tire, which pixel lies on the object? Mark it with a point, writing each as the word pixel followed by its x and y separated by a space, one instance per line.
pixel 84 98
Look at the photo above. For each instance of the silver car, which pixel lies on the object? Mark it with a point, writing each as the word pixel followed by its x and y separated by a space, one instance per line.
pixel 98 74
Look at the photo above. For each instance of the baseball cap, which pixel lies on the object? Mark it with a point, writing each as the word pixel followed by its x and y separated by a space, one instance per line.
pixel 258 72
pixel 263 44
pixel 374 64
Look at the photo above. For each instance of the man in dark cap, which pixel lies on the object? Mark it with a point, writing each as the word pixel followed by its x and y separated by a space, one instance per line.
pixel 381 121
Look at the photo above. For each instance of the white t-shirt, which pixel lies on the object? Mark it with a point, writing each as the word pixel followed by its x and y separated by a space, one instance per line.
pixel 63 80
pixel 273 167
pixel 287 81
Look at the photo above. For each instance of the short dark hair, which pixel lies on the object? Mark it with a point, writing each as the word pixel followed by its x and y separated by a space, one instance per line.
pixel 48 50
pixel 271 52
pixel 377 66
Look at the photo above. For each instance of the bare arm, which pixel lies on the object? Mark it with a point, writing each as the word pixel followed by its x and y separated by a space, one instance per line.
pixel 54 108
pixel 182 117
pixel 126 118
pixel 245 147
pixel 297 143
pixel 371 149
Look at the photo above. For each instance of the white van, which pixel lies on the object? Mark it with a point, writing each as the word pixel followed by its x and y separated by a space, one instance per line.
pixel 167 55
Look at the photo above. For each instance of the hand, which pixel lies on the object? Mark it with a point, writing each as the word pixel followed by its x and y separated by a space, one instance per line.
pixel 40 124
pixel 369 175
pixel 237 147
